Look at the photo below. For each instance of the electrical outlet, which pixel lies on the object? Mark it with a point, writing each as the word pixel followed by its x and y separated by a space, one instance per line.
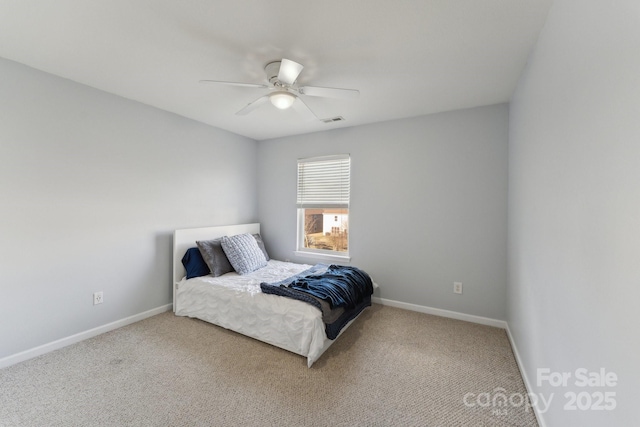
pixel 457 287
pixel 98 298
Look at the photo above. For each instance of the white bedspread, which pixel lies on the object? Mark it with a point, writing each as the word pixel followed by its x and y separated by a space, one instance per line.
pixel 235 302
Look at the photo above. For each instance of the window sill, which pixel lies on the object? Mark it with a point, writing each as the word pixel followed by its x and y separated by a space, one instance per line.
pixel 324 257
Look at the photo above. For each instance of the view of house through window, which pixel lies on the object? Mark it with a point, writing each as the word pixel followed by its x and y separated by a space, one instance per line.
pixel 323 204
pixel 326 229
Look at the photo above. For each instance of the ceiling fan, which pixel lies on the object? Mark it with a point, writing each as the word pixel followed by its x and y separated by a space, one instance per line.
pixel 283 91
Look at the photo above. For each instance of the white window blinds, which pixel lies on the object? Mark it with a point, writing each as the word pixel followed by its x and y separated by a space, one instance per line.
pixel 323 182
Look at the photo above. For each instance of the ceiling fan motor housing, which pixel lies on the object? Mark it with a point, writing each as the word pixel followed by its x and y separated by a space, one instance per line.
pixel 272 69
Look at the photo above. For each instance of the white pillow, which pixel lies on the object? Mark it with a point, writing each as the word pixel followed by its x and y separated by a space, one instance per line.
pixel 243 253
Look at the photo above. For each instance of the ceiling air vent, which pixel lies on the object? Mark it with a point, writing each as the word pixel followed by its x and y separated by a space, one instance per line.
pixel 334 119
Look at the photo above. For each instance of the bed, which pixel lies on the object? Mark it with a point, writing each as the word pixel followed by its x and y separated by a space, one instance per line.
pixel 235 301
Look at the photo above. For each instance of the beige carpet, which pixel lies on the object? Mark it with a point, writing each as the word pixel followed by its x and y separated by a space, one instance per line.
pixel 391 367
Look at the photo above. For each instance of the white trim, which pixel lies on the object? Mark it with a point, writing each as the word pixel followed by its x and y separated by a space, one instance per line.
pixel 523 374
pixel 325 158
pixel 442 313
pixel 321 256
pixel 63 342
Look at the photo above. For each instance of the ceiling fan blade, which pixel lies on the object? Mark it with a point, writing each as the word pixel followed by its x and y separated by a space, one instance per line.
pixel 329 92
pixel 253 105
pixel 220 82
pixel 289 71
pixel 302 109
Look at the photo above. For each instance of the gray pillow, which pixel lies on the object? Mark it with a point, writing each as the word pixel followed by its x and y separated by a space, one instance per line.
pixel 243 253
pixel 261 246
pixel 214 256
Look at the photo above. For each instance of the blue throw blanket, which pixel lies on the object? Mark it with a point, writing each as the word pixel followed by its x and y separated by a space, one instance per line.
pixel 340 286
pixel 346 290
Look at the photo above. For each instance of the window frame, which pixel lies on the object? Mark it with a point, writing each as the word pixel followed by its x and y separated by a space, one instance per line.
pixel 343 202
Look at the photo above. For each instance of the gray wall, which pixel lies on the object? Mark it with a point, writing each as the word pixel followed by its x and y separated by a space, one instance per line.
pixel 574 206
pixel 428 206
pixel 92 186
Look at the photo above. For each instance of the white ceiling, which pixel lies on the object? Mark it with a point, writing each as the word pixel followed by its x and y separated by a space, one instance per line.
pixel 407 57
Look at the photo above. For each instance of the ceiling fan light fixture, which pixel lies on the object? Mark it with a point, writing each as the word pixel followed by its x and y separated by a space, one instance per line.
pixel 282 99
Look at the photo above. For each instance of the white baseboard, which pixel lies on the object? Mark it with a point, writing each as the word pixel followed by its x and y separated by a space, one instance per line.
pixel 442 313
pixel 525 378
pixel 63 342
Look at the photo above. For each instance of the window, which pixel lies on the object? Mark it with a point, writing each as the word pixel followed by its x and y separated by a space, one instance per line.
pixel 323 205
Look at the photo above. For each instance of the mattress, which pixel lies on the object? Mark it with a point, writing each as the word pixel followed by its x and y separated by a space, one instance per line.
pixel 235 302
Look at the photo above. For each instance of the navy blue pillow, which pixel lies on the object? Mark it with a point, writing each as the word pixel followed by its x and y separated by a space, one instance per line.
pixel 194 263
